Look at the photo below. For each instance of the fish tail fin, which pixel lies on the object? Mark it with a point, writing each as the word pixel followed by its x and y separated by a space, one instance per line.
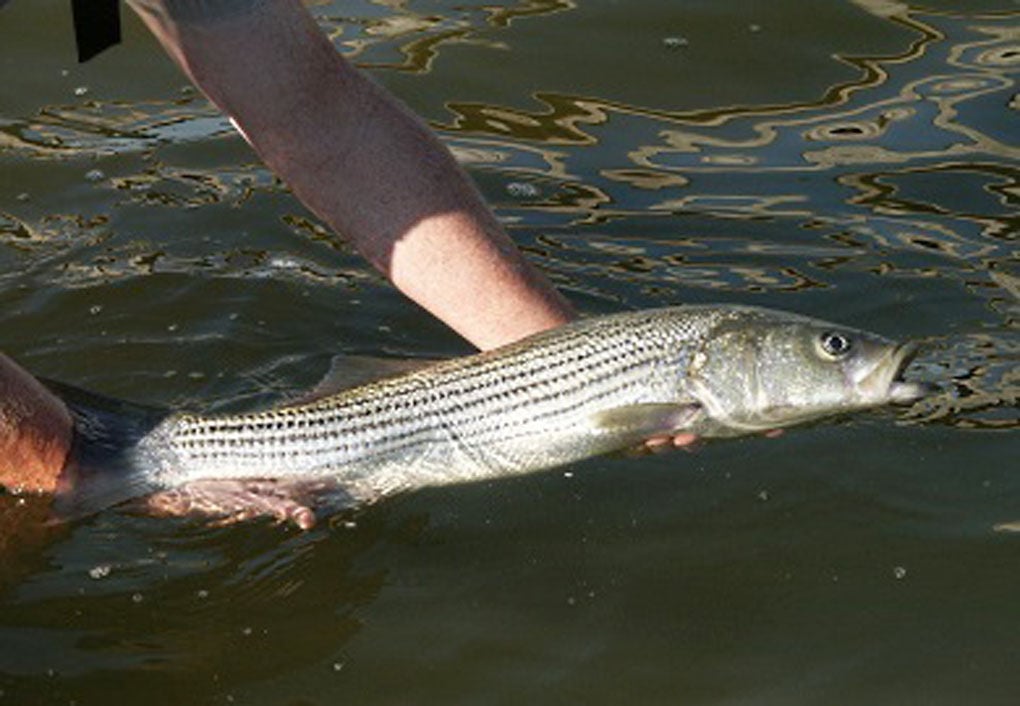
pixel 107 465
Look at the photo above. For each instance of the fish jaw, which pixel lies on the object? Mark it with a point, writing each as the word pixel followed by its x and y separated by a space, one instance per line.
pixel 883 382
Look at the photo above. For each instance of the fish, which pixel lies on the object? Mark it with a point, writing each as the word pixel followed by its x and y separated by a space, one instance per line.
pixel 594 386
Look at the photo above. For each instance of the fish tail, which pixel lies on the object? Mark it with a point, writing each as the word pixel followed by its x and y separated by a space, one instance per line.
pixel 107 464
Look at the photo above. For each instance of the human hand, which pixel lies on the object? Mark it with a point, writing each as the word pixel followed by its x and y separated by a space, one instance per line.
pixel 35 431
pixel 230 501
pixel 687 441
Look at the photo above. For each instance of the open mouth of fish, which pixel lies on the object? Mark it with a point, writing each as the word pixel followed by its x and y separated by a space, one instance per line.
pixel 885 381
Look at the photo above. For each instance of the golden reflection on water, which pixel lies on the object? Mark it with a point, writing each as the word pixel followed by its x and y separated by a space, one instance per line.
pixel 866 178
pixel 893 195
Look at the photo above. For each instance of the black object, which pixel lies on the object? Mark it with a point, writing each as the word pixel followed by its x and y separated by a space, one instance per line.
pixel 96 26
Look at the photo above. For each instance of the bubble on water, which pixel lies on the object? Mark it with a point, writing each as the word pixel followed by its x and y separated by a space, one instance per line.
pixel 202 593
pixel 137 598
pixel 754 28
pixel 675 42
pixel 568 474
pixel 100 571
pixel 899 572
pixel 94 175
pixel 522 190
pixel 337 666
pixel 763 495
pixel 81 90
pixel 285 262
pixel 246 631
pixel 95 309
pixel 23 196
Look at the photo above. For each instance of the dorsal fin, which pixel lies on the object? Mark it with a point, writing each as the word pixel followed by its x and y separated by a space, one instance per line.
pixel 351 370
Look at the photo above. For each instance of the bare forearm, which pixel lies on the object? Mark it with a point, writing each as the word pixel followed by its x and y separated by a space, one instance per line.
pixel 361 162
pixel 35 431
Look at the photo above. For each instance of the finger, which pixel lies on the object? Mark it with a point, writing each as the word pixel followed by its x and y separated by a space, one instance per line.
pixel 685 440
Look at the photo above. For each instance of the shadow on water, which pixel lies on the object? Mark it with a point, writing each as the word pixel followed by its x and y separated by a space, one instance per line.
pixel 169 607
pixel 857 162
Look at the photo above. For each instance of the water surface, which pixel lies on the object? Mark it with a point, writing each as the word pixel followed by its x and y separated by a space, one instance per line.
pixel 855 162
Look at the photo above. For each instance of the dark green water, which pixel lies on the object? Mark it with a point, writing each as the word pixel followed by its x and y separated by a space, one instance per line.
pixel 851 160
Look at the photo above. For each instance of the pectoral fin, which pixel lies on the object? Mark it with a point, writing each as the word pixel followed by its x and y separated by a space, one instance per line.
pixel 635 423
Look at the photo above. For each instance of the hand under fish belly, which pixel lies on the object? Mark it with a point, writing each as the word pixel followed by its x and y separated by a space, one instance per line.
pixel 598 385
pixel 237 500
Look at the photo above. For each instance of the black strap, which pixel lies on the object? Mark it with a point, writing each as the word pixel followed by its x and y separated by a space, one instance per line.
pixel 96 26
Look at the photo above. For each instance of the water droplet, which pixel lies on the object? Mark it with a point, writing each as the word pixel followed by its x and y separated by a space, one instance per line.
pixel 100 571
pixel 522 190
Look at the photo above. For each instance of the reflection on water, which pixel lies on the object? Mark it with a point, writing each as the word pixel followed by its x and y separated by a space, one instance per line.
pixel 857 163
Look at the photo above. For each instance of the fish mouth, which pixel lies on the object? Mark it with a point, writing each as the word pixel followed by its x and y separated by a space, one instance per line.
pixel 885 380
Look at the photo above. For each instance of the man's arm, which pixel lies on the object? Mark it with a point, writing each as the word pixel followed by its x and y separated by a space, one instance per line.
pixel 360 161
pixel 35 431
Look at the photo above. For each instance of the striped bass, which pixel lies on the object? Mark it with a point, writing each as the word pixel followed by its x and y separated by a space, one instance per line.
pixel 587 388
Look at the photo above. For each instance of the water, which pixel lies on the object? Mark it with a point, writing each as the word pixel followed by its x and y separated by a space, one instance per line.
pixel 856 161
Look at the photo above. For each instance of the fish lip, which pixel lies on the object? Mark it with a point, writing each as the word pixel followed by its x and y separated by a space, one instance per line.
pixel 897 361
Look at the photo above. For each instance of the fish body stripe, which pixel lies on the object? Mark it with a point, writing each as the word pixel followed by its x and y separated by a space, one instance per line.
pixel 507 404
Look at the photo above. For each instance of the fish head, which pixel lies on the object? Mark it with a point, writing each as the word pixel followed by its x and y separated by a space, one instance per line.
pixel 768 370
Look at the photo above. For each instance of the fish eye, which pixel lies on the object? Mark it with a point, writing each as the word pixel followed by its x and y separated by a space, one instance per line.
pixel 835 344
